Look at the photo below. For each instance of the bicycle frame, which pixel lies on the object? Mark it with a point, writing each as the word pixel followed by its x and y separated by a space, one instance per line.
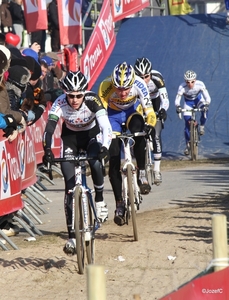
pixel 148 159
pixel 84 218
pixel 194 131
pixel 131 191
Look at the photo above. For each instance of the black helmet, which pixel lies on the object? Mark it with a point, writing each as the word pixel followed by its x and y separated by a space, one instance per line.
pixel 74 82
pixel 142 66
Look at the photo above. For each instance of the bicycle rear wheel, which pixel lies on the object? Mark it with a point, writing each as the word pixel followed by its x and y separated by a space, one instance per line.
pixel 131 199
pixel 90 243
pixel 149 164
pixel 79 229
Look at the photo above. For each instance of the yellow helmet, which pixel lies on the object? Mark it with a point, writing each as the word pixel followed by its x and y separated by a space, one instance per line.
pixel 123 76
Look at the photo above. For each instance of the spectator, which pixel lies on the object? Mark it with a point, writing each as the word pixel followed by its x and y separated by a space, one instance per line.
pixel 6 19
pixel 54 26
pixel 18 19
pixel 4 98
pixel 227 9
pixel 39 37
pixel 16 84
pixel 34 95
pixel 2 39
pixel 59 70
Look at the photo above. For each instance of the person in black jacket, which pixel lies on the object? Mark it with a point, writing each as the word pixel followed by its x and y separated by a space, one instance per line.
pixel 18 19
pixel 54 26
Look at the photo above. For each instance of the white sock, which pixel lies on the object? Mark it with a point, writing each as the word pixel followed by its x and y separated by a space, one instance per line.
pixel 157 164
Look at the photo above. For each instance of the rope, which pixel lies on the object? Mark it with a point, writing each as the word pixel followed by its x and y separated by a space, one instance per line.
pixel 218 262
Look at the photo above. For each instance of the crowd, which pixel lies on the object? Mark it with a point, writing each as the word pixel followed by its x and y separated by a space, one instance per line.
pixel 27 81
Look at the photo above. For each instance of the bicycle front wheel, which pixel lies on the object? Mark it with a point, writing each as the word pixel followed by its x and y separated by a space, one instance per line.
pixel 193 140
pixel 90 241
pixel 79 229
pixel 149 164
pixel 131 200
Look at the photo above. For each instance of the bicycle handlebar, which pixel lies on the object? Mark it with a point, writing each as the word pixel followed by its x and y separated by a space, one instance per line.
pixel 128 135
pixel 74 159
pixel 191 110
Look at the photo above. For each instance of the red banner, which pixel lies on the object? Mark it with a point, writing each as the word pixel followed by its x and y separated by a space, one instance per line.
pixel 35 12
pixel 37 135
pixel 70 23
pixel 19 161
pixel 212 286
pixel 123 8
pixel 100 45
pixel 10 175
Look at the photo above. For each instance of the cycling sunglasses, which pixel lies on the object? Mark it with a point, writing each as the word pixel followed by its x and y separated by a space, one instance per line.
pixel 188 82
pixel 145 76
pixel 71 96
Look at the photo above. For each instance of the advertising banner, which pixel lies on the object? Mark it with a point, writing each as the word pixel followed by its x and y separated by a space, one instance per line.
pixel 100 45
pixel 70 23
pixel 179 7
pixel 27 159
pixel 123 8
pixel 35 13
pixel 10 175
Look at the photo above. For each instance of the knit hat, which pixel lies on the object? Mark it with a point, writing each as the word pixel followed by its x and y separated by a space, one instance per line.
pixel 15 52
pixel 19 76
pixel 3 62
pixel 34 67
pixel 6 51
pixel 47 60
pixel 53 56
pixel 30 52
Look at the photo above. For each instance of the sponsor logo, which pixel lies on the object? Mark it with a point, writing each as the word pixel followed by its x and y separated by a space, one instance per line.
pixel 106 27
pixel 90 61
pixel 142 87
pixel 72 12
pixel 21 154
pixel 31 6
pixel 107 91
pixel 4 171
pixel 86 68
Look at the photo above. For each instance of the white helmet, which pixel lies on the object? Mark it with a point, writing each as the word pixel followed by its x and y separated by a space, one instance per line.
pixel 189 75
pixel 74 81
pixel 142 66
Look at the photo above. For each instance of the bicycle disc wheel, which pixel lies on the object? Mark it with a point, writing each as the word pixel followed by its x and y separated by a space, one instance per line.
pixel 131 199
pixel 192 139
pixel 148 165
pixel 79 229
pixel 90 245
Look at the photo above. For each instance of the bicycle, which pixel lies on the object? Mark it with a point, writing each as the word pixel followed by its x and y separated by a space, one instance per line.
pixel 194 131
pixel 84 219
pixel 130 190
pixel 148 159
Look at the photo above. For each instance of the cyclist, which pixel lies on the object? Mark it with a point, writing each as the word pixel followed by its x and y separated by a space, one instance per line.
pixel 83 118
pixel 195 95
pixel 126 98
pixel 160 101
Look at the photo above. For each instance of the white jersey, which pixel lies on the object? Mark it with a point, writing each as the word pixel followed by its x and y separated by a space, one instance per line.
pixel 198 92
pixel 90 115
pixel 157 89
